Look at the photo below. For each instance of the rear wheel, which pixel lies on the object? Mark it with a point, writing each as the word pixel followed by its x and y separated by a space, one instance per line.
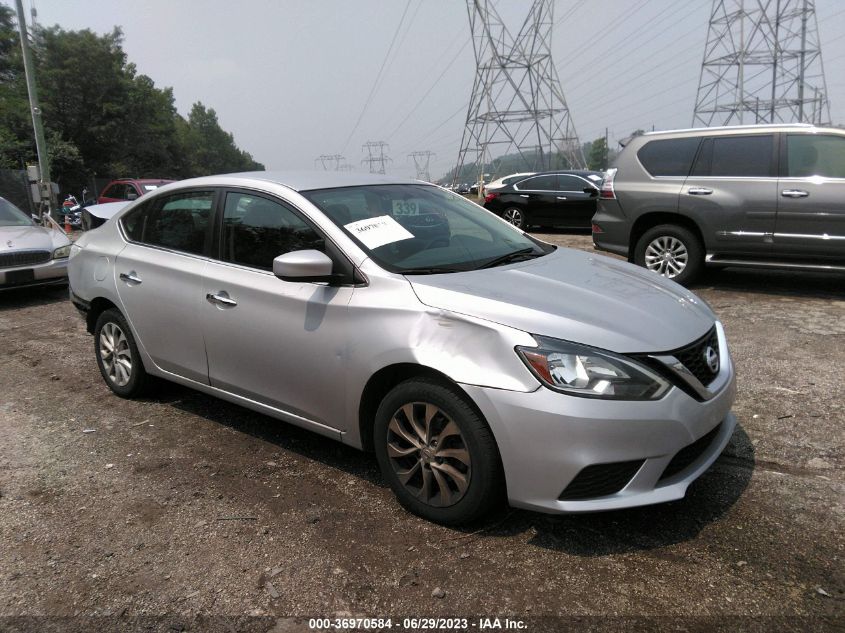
pixel 515 216
pixel 117 355
pixel 437 454
pixel 672 251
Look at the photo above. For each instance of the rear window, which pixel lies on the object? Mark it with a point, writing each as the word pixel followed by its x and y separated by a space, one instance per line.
pixel 669 157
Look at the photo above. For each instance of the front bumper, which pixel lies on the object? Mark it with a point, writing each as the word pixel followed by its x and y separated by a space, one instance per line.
pixel 51 272
pixel 546 439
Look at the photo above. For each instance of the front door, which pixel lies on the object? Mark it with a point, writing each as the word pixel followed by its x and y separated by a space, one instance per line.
pixel 574 204
pixel 539 194
pixel 279 343
pixel 159 279
pixel 811 197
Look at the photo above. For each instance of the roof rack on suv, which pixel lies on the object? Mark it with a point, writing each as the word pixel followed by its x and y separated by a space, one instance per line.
pixel 757 126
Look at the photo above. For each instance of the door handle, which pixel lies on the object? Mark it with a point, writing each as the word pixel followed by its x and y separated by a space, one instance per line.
pixel 524 195
pixel 794 193
pixel 699 191
pixel 222 299
pixel 130 277
pixel 562 198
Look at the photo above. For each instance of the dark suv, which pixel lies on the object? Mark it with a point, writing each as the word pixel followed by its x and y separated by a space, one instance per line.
pixel 771 196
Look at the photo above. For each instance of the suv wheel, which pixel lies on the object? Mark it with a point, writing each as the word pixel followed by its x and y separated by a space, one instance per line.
pixel 117 355
pixel 437 454
pixel 672 251
pixel 515 216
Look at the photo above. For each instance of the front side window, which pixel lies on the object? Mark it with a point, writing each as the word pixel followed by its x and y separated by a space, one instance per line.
pixel 179 222
pixel 422 229
pixel 815 155
pixel 117 191
pixel 669 157
pixel 538 183
pixel 256 230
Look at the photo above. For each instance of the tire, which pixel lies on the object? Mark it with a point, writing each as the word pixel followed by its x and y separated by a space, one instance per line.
pixel 113 331
pixel 454 426
pixel 515 216
pixel 672 251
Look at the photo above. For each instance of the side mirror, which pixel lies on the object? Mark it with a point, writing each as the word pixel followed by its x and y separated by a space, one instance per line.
pixel 307 265
pixel 131 196
pixel 592 191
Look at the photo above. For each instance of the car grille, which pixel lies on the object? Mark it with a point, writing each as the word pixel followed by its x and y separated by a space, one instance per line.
pixel 600 480
pixel 23 258
pixel 693 358
pixel 689 453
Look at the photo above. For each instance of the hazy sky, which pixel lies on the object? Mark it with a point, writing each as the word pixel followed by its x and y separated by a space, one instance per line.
pixel 289 78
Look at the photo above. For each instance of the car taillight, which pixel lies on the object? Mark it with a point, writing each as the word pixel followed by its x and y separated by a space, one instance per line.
pixel 597 228
pixel 490 196
pixel 607 192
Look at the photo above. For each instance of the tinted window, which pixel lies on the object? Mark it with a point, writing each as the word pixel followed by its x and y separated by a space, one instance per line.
pixel 815 155
pixel 571 183
pixel 257 230
pixel 742 156
pixel 115 191
pixel 538 183
pixel 179 222
pixel 669 157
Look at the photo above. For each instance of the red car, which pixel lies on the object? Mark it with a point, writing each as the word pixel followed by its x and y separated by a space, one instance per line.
pixel 129 188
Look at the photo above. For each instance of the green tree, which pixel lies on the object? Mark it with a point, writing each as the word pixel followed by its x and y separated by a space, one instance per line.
pixel 597 158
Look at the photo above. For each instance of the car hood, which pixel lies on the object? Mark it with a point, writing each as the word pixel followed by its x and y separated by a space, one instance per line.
pixel 30 238
pixel 575 296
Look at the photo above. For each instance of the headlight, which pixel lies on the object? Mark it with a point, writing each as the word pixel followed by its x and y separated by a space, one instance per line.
pixel 62 251
pixel 584 371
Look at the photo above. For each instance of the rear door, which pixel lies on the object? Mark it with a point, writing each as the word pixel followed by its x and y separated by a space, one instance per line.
pixel 574 204
pixel 731 193
pixel 811 196
pixel 538 195
pixel 159 278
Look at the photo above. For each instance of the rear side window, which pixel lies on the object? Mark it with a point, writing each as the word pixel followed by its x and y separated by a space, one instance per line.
pixel 669 157
pixel 815 155
pixel 179 222
pixel 740 156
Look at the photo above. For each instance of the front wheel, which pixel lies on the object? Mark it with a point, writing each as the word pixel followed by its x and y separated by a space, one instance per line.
pixel 437 454
pixel 671 251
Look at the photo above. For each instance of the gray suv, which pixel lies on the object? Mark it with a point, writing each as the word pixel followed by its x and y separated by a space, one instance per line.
pixel 760 196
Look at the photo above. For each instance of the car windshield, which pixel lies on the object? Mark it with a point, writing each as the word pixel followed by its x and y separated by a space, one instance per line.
pixel 422 229
pixel 10 215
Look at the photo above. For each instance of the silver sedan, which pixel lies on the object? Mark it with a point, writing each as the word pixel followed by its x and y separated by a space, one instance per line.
pixel 478 363
pixel 30 255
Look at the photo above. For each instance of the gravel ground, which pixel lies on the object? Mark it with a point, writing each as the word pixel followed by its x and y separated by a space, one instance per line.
pixel 118 513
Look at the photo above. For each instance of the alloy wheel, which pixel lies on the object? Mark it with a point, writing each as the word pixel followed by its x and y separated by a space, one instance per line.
pixel 115 354
pixel 428 454
pixel 667 256
pixel 514 216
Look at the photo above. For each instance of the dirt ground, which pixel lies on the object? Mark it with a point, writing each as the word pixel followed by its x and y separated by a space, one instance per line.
pixel 183 512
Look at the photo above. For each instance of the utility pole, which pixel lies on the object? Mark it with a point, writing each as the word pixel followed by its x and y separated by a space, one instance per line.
pixel 606 160
pixel 762 58
pixel 48 197
pixel 376 158
pixel 517 103
pixel 421 161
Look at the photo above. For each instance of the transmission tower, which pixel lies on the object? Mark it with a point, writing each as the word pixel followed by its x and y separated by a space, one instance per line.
pixel 331 162
pixel 376 158
pixel 762 64
pixel 421 161
pixel 517 103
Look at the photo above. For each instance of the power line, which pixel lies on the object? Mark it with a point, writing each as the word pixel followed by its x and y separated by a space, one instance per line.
pixel 378 76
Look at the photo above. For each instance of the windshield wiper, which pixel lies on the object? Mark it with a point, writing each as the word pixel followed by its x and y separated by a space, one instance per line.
pixel 520 255
pixel 433 270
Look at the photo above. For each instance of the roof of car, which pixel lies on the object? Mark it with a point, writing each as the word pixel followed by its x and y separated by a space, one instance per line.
pixel 308 180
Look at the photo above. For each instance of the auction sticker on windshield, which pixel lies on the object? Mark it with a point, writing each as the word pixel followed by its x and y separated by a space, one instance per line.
pixel 375 232
pixel 405 207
